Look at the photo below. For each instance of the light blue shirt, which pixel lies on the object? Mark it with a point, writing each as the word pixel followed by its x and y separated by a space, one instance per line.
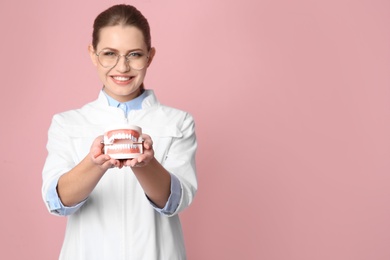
pixel 134 104
pixel 55 203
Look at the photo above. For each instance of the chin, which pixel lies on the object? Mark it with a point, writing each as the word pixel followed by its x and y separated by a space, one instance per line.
pixel 124 93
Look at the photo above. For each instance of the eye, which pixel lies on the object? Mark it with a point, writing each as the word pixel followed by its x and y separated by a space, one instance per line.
pixel 109 53
pixel 135 55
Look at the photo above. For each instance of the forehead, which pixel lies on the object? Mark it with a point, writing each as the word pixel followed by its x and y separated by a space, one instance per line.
pixel 121 38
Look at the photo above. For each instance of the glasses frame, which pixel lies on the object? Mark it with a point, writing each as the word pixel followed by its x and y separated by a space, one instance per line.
pixel 126 56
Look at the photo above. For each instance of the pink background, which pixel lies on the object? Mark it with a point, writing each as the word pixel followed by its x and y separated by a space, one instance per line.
pixel 291 100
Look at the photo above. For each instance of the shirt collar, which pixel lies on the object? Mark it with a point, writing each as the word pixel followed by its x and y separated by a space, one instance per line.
pixel 134 104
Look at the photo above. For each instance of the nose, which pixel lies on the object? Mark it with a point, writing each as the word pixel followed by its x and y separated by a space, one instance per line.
pixel 122 64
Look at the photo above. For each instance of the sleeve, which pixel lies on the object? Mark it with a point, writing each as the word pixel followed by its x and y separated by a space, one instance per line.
pixel 173 200
pixel 54 203
pixel 180 162
pixel 58 162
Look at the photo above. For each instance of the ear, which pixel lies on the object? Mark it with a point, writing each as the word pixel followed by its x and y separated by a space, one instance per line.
pixel 152 52
pixel 92 54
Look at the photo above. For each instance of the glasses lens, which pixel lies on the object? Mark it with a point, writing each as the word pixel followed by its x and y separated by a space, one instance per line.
pixel 107 58
pixel 136 60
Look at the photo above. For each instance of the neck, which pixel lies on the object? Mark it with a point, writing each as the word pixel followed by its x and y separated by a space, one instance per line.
pixel 125 98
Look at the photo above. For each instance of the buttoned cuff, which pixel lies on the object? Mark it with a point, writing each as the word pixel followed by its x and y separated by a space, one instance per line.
pixel 54 203
pixel 173 200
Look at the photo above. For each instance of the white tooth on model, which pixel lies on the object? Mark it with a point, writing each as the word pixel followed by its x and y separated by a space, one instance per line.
pixel 124 146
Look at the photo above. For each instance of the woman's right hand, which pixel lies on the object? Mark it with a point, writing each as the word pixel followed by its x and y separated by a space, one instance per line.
pixel 100 159
pixel 77 184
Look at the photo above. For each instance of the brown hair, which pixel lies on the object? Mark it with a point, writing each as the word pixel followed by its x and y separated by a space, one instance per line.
pixel 121 15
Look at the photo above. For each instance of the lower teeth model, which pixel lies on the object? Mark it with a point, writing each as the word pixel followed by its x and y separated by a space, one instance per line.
pixel 123 142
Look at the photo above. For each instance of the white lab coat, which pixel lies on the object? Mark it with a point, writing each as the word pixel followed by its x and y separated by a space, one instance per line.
pixel 117 221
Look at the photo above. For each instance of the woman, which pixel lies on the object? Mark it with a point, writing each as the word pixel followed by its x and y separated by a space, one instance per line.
pixel 121 209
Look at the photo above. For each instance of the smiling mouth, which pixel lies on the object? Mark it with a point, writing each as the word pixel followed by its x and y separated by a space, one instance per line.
pixel 121 78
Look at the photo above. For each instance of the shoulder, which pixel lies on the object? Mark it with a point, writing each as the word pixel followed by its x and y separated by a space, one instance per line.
pixel 172 111
pixel 165 120
pixel 155 107
pixel 76 116
pixel 168 115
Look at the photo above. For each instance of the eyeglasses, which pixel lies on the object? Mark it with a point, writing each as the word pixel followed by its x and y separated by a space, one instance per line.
pixel 109 58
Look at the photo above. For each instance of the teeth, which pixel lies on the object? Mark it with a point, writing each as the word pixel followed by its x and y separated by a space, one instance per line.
pixel 122 136
pixel 123 146
pixel 122 78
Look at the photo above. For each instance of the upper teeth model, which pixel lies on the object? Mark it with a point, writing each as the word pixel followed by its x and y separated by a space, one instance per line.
pixel 123 142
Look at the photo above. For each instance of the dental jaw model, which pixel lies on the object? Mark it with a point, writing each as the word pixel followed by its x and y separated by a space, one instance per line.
pixel 123 142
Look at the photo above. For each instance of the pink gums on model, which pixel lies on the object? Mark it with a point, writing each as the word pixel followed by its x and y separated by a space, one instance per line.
pixel 123 142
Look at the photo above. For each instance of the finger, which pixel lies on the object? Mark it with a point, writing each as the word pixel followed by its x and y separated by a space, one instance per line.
pixel 132 162
pixel 96 152
pixel 148 145
pixel 108 164
pixel 98 142
pixel 147 155
pixel 148 142
pixel 97 146
pixel 112 163
pixel 127 162
pixel 101 159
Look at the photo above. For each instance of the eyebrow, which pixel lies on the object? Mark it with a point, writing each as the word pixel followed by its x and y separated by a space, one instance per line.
pixel 129 51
